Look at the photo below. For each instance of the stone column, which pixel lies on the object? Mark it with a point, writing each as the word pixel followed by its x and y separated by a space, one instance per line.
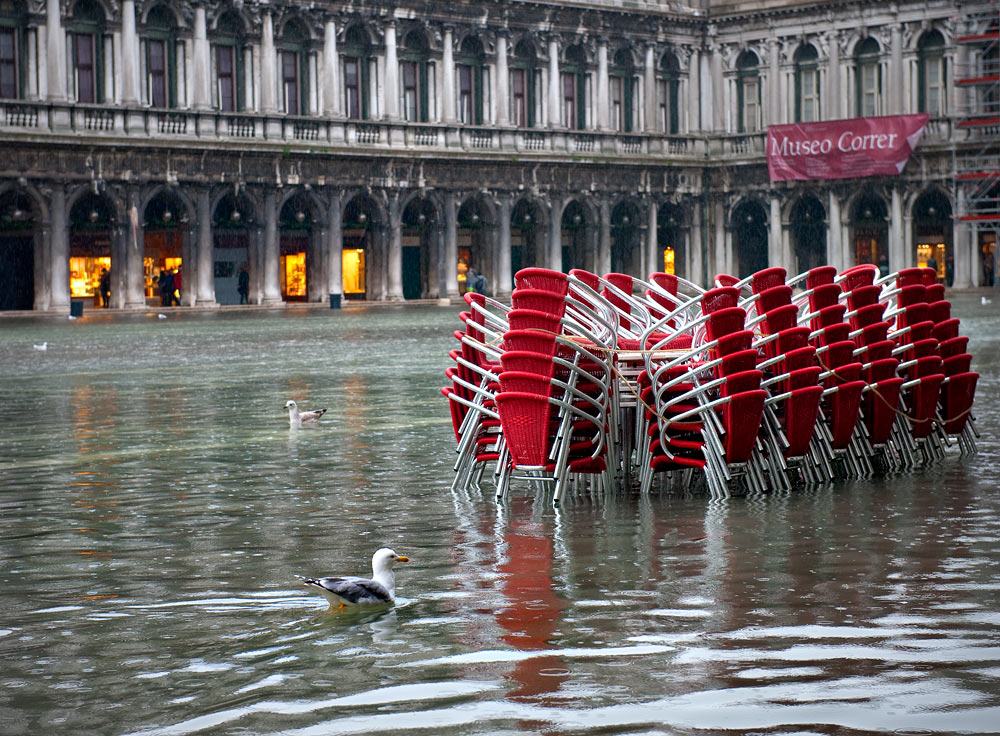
pixel 774 82
pixel 135 249
pixel 335 248
pixel 603 93
pixel 130 55
pixel 271 255
pixel 897 258
pixel 718 89
pixel 555 108
pixel 55 62
pixel 59 252
pixel 834 248
pixel 963 250
pixel 450 245
pixel 555 234
pixel 695 265
pixel 448 75
pixel 503 80
pixel 205 250
pixel 896 88
pixel 504 278
pixel 394 270
pixel 435 275
pixel 723 244
pixel 652 262
pixel 774 245
pixel 649 82
pixel 694 93
pixel 705 78
pixel 268 60
pixel 832 95
pixel 202 97
pixel 391 72
pixel 331 73
pixel 604 244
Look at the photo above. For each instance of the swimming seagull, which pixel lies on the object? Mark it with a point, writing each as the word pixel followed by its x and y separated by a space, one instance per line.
pixel 986 301
pixel 380 588
pixel 43 346
pixel 297 418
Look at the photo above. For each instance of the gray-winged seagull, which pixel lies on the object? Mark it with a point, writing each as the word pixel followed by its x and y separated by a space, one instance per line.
pixel 350 591
pixel 297 418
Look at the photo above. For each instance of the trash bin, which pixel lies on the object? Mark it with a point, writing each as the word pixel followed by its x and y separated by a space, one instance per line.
pixel 334 301
pixel 76 307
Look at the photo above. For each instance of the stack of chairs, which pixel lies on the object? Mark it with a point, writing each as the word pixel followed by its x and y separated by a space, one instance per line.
pixel 755 384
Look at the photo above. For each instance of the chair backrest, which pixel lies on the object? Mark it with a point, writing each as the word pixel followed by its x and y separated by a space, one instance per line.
pixel 524 418
pixel 868 315
pixel 773 297
pixel 724 322
pixel 862 296
pixel 528 362
pixel 873 333
pixel 860 275
pixel 880 409
pixel 955 364
pixel 666 281
pixel 741 381
pixel 824 295
pixel 525 382
pixel 542 278
pixel 956 401
pixel 768 278
pixel 801 411
pixel 533 341
pixel 533 319
pixel 909 277
pixel 741 419
pixel 724 279
pixel 836 355
pixel 721 297
pixel 539 299
pixel 929 276
pixel 935 292
pixel 953 346
pixel 820 275
pixel 912 294
pixel 780 318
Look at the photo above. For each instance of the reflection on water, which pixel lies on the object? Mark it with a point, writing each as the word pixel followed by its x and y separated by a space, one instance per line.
pixel 156 508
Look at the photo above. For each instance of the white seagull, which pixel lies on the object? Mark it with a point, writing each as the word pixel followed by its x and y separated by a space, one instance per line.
pixel 43 346
pixel 297 418
pixel 380 588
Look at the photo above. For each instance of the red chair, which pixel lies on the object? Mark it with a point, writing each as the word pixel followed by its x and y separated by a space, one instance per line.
pixel 957 395
pixel 542 278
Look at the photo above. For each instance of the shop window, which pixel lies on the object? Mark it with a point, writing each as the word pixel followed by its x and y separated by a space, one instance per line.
pixel 293 275
pixel 353 270
pixel 85 274
pixel 669 259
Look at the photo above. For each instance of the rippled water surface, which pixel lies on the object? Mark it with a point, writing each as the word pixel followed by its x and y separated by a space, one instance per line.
pixel 155 509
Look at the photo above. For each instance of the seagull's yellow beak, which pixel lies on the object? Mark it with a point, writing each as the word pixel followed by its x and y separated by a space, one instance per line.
pixel 402 558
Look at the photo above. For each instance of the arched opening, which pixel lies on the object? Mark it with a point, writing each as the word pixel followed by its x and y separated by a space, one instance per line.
pixel 90 274
pixel 232 254
pixel 932 228
pixel 17 251
pixel 808 224
pixel 750 237
pixel 163 240
pixel 358 239
pixel 419 225
pixel 472 244
pixel 525 235
pixel 575 230
pixel 298 256
pixel 625 232
pixel 870 222
pixel 671 241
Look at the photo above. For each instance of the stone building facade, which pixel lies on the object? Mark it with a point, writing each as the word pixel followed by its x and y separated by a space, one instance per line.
pixel 370 150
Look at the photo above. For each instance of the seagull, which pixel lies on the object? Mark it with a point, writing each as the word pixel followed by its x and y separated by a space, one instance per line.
pixel 162 316
pixel 297 418
pixel 984 302
pixel 380 588
pixel 43 346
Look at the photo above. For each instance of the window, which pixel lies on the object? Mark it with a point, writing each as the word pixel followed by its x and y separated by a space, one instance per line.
pixel 869 78
pixel 667 94
pixel 229 63
pixel 574 88
pixel 473 82
pixel 622 89
pixel 518 90
pixel 748 93
pixel 416 78
pixel 161 57
pixel 293 60
pixel 9 82
pixel 806 84
pixel 524 86
pixel 931 70
pixel 290 82
pixel 352 87
pixel 356 60
pixel 87 37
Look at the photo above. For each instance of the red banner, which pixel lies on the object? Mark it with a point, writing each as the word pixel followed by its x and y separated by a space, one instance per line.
pixel 843 149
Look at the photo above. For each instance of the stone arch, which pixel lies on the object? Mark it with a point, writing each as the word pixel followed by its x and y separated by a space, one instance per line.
pixel 869 214
pixel 529 218
pixel 673 227
pixel 364 228
pixel 749 225
pixel 933 225
pixel 807 221
pixel 22 215
pixel 626 237
pixel 580 228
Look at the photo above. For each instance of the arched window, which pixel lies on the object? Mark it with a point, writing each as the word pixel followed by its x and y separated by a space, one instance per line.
pixel 229 43
pixel 356 63
pixel 161 57
pixel 12 45
pixel 473 82
pixel 868 78
pixel 668 94
pixel 417 78
pixel 87 41
pixel 806 84
pixel 293 58
pixel 932 88
pixel 622 89
pixel 574 88
pixel 524 85
pixel 748 92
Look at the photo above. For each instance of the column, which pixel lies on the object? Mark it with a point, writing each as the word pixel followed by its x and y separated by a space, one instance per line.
pixel 963 249
pixel 909 248
pixel 59 250
pixel 774 246
pixel 705 78
pixel 391 72
pixel 504 278
pixel 503 80
pixel 394 275
pixel 896 89
pixel 652 261
pixel 448 74
pixel 271 286
pixel 604 243
pixel 268 60
pixel 696 248
pixel 204 250
pixel 649 81
pixel 435 275
pixel 555 234
pixel 202 98
pixel 450 245
pixel 603 93
pixel 555 109
pixel 694 93
pixel 897 258
pixel 774 82
pixel 55 61
pixel 832 93
pixel 723 244
pixel 135 249
pixel 718 104
pixel 130 55
pixel 335 250
pixel 834 250
pixel 331 72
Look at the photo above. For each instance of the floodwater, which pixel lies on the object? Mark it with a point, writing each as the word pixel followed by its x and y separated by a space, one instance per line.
pixel 155 508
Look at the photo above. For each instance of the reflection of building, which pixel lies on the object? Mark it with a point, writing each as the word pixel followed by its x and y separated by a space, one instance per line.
pixel 426 139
